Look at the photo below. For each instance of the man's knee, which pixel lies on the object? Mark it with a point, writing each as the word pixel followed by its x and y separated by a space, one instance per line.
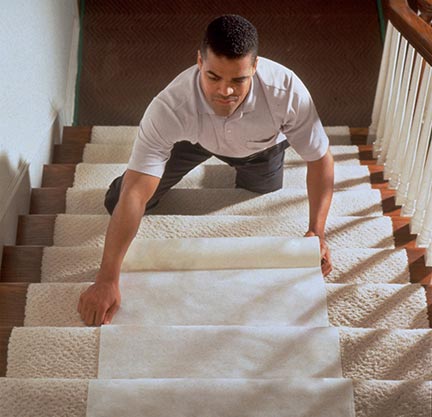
pixel 113 194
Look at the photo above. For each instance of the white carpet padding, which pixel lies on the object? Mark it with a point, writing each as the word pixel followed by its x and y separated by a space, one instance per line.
pixel 293 297
pixel 285 202
pixel 218 352
pixel 68 398
pixel 220 176
pixel 47 352
pixel 119 154
pixel 157 301
pixel 360 266
pixel 342 232
pixel 221 397
pixel 222 253
pixel 125 135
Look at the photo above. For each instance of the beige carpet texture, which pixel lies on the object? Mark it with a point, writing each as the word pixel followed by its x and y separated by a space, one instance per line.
pixel 249 327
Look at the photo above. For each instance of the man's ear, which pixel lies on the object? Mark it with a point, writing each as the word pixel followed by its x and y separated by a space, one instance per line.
pixel 199 60
pixel 254 68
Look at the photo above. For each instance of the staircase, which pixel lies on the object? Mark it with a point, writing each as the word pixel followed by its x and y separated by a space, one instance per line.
pixel 376 299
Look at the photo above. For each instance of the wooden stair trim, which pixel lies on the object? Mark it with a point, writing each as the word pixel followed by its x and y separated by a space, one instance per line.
pixel 76 134
pixel 48 200
pixel 12 307
pixel 68 153
pixel 58 175
pixel 36 229
pixel 5 332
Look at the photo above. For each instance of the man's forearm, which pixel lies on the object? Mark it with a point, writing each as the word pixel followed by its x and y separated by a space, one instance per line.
pixel 121 230
pixel 320 183
pixel 136 191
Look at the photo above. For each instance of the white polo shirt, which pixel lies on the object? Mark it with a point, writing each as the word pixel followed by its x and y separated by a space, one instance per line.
pixel 278 107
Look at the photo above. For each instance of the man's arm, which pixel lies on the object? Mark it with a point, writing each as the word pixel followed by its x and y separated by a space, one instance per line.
pixel 320 182
pixel 99 303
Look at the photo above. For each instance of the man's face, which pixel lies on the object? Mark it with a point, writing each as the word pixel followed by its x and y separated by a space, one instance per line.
pixel 225 82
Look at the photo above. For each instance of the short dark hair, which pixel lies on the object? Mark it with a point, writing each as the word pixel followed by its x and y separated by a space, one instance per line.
pixel 231 36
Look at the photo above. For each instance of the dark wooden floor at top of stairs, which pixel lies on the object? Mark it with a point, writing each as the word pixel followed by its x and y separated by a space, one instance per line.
pixel 132 49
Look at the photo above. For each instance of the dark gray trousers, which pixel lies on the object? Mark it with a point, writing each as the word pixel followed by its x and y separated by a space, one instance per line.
pixel 261 172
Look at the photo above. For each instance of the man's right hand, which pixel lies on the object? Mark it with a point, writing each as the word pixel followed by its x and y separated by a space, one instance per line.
pixel 98 304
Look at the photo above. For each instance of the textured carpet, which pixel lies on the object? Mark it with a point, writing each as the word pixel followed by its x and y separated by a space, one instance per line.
pixel 88 176
pixel 342 232
pixel 285 202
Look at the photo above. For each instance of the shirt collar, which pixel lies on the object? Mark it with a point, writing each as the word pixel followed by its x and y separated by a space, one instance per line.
pixel 248 104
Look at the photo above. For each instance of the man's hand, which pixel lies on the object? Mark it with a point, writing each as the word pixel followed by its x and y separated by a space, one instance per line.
pixel 98 304
pixel 326 264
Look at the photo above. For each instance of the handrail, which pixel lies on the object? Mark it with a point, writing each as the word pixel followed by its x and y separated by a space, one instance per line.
pixel 413 28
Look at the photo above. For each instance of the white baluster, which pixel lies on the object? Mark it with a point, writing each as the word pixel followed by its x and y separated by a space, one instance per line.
pixel 423 197
pixel 392 125
pixel 425 235
pixel 380 104
pixel 408 165
pixel 420 158
pixel 401 150
pixel 384 113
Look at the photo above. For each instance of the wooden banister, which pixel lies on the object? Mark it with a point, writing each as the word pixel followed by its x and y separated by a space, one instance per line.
pixel 415 29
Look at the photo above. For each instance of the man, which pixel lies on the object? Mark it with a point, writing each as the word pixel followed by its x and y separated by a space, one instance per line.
pixel 243 109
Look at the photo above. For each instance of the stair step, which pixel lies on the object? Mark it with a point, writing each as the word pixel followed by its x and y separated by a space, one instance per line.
pixel 21 264
pixel 52 200
pixel 68 153
pixel 13 296
pixel 58 175
pixel 76 135
pixel 36 229
pixel 5 332
pixel 48 200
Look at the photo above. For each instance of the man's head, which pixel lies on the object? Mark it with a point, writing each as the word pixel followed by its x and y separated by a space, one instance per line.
pixel 227 61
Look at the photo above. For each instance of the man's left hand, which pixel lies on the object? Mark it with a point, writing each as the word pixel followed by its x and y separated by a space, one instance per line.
pixel 326 264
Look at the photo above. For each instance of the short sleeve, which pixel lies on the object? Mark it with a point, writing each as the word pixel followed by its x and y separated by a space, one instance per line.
pixel 302 126
pixel 157 133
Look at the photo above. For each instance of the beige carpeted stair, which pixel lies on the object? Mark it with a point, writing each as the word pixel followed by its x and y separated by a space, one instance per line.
pixel 220 341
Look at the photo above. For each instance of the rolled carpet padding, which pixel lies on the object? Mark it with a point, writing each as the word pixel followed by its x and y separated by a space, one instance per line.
pixel 125 135
pixel 68 397
pixel 220 176
pixel 291 297
pixel 350 266
pixel 341 232
pixel 226 201
pixel 119 154
pixel 159 301
pixel 222 253
pixel 56 352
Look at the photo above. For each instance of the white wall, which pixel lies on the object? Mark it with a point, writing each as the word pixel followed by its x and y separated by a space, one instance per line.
pixel 38 61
